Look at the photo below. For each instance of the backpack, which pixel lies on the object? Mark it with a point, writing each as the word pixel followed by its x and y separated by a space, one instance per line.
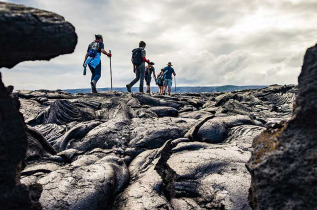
pixel 93 47
pixel 136 56
pixel 159 79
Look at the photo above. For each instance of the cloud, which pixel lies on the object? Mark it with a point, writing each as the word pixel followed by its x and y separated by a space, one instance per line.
pixel 209 42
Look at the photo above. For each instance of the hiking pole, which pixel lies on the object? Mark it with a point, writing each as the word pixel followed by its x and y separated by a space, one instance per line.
pixel 175 83
pixel 110 70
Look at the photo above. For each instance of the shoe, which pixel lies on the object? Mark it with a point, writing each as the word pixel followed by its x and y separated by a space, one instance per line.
pixel 128 88
pixel 93 86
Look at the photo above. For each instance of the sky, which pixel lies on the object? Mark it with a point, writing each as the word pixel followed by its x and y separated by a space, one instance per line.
pixel 210 43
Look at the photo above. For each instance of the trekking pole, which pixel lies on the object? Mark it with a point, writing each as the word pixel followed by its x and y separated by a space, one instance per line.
pixel 175 83
pixel 110 70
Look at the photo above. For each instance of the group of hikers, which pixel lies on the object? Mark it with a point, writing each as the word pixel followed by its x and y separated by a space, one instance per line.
pixel 163 79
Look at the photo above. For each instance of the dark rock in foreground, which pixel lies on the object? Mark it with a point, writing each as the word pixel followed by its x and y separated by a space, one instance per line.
pixel 26 34
pixel 32 34
pixel 13 141
pixel 133 151
pixel 284 162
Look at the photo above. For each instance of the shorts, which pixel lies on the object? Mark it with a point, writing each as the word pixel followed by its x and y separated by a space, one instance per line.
pixel 168 82
pixel 160 83
pixel 147 78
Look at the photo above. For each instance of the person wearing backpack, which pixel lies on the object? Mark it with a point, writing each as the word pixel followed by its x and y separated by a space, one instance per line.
pixel 168 71
pixel 138 61
pixel 159 81
pixel 92 59
pixel 149 70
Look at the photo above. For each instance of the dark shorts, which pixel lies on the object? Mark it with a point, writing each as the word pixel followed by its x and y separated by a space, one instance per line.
pixel 147 78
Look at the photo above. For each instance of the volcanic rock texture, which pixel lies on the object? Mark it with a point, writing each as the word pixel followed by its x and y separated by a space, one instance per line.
pixel 133 151
pixel 25 34
pixel 13 145
pixel 284 162
pixel 32 34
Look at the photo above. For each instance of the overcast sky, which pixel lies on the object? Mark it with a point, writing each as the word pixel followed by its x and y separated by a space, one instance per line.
pixel 238 42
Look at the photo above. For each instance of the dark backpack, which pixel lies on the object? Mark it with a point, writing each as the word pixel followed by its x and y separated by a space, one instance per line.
pixel 136 56
pixel 93 48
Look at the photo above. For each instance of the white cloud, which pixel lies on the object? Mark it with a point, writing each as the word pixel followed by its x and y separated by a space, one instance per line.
pixel 209 42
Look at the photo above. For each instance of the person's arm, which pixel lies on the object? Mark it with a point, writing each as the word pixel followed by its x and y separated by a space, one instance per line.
pixel 174 73
pixel 154 75
pixel 143 53
pixel 145 60
pixel 86 56
pixel 134 67
pixel 106 53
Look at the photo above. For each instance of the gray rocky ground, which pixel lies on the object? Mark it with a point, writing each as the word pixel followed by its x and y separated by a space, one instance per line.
pixel 115 150
pixel 120 151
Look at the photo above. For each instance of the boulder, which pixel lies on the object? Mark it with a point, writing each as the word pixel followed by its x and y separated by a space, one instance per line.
pixel 86 137
pixel 26 26
pixel 90 182
pixel 13 141
pixel 62 112
pixel 215 130
pixel 164 111
pixel 283 165
pixel 153 133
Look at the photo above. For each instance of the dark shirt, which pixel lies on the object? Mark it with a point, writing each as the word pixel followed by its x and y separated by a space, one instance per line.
pixel 101 46
pixel 149 70
pixel 168 71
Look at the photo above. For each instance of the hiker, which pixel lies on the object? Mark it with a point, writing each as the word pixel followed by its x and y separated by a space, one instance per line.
pixel 159 81
pixel 138 61
pixel 168 71
pixel 92 59
pixel 148 75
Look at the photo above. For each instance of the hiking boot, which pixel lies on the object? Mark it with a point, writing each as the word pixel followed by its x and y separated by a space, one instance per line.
pixel 93 86
pixel 128 88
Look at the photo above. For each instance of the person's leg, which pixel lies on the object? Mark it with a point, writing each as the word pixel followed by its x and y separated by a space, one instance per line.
pixel 92 82
pixel 136 79
pixel 146 78
pixel 92 70
pixel 142 70
pixel 169 86
pixel 97 73
pixel 148 88
pixel 164 86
